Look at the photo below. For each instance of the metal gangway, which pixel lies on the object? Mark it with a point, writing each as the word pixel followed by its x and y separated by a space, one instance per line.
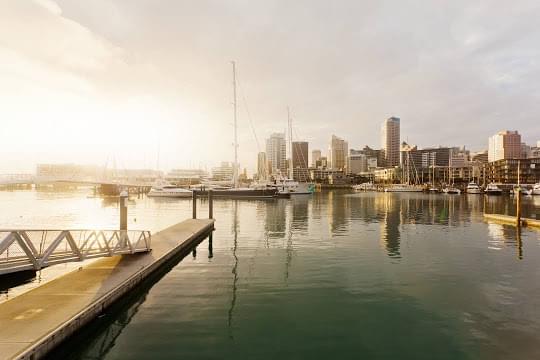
pixel 22 250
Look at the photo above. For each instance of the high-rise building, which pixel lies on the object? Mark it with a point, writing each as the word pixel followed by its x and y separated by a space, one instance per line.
pixel 300 153
pixel 262 166
pixel 504 145
pixel 276 153
pixel 390 141
pixel 315 156
pixel 337 153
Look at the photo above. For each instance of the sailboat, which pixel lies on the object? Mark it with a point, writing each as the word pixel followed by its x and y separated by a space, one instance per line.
pixel 407 186
pixel 451 189
pixel 518 188
pixel 237 192
pixel 292 186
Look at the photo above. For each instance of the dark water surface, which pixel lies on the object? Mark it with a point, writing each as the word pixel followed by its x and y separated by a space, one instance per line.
pixel 335 275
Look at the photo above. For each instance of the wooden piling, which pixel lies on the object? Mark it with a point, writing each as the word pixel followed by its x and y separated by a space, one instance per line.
pixel 123 210
pixel 210 204
pixel 194 204
pixel 518 207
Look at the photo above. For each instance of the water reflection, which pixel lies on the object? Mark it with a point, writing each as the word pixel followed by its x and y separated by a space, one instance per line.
pixel 234 269
pixel 390 225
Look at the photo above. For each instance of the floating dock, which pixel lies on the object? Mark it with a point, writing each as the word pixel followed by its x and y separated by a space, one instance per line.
pixel 511 220
pixel 35 322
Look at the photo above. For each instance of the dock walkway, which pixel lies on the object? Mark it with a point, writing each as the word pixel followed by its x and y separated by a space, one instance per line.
pixel 35 322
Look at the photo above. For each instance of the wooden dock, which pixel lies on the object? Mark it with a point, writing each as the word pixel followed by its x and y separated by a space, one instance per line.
pixel 35 322
pixel 511 220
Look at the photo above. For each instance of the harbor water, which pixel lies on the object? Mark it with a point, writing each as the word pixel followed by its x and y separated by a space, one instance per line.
pixel 333 275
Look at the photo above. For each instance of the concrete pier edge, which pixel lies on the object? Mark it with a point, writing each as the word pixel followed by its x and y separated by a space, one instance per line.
pixel 50 340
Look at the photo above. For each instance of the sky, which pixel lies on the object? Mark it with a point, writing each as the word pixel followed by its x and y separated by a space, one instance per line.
pixel 148 83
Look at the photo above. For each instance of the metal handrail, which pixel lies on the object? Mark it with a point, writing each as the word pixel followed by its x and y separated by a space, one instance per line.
pixel 35 249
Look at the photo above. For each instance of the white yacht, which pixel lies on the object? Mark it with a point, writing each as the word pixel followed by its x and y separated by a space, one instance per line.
pixel 163 188
pixel 493 189
pixel 523 190
pixel 450 190
pixel 536 189
pixel 287 186
pixel 473 188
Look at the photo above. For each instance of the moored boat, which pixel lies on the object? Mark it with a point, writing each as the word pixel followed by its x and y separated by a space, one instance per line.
pixel 240 193
pixel 523 190
pixel 493 189
pixel 536 189
pixel 473 188
pixel 404 188
pixel 450 190
pixel 163 188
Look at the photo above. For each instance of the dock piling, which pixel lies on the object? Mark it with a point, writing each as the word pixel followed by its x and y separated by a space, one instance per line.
pixel 123 210
pixel 210 204
pixel 518 207
pixel 194 204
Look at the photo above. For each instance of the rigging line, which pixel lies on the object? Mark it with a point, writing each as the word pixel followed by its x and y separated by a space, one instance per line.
pixel 248 113
pixel 298 137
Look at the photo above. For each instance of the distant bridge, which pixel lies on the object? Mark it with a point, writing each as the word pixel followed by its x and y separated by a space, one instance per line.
pixel 109 184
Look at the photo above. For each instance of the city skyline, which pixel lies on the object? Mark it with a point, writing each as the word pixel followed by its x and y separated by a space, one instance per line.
pixel 107 79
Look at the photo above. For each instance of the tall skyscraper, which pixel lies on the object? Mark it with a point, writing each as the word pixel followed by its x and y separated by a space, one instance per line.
pixel 337 153
pixel 504 145
pixel 300 151
pixel 276 153
pixel 262 166
pixel 315 156
pixel 390 141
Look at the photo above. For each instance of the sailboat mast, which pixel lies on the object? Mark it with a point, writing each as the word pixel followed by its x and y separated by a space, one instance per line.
pixel 289 124
pixel 235 166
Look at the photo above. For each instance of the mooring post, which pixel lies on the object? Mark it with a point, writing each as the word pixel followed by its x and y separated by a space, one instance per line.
pixel 518 207
pixel 210 204
pixel 194 204
pixel 123 210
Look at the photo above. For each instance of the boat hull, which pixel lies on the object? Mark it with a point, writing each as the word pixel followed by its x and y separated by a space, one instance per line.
pixel 474 191
pixel 241 194
pixel 171 195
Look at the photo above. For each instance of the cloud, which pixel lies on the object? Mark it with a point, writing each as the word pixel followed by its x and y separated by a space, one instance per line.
pixel 455 72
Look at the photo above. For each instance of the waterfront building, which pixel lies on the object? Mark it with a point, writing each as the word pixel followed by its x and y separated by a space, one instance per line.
pixel 337 153
pixel 459 157
pixel 425 158
pixel 300 153
pixel 262 166
pixel 315 156
pixel 357 162
pixel 186 176
pixel 386 175
pixel 276 153
pixel 390 140
pixel 480 157
pixel 51 172
pixel 504 145
pixel 224 172
pixel 322 163
pixel 525 150
pixel 328 176
pixel 505 171
pixel 534 152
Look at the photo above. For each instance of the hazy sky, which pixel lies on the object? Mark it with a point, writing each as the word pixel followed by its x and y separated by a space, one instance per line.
pixel 83 81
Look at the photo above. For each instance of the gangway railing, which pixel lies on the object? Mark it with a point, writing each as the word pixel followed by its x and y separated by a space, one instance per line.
pixel 35 249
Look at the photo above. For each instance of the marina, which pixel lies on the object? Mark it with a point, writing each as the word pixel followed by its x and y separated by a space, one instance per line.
pixel 262 248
